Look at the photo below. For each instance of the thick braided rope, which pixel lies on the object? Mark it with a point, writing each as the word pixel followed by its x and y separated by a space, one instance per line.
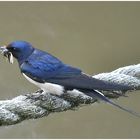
pixel 36 105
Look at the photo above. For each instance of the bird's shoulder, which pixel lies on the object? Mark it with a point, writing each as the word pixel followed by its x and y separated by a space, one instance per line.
pixel 45 65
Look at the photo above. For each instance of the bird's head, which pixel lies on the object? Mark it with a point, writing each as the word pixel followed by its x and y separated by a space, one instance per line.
pixel 19 49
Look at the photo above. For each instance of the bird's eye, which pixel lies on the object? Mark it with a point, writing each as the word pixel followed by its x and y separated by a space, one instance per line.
pixel 13 49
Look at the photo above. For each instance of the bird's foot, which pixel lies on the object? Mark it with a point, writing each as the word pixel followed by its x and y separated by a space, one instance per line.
pixel 39 91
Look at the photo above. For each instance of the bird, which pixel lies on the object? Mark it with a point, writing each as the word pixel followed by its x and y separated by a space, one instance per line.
pixel 53 76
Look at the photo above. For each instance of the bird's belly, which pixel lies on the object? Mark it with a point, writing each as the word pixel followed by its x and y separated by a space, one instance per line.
pixel 47 87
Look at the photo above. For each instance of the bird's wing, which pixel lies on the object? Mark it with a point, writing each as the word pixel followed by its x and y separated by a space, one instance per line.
pixel 46 68
pixel 42 66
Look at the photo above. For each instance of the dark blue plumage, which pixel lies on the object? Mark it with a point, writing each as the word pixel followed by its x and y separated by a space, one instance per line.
pixel 43 68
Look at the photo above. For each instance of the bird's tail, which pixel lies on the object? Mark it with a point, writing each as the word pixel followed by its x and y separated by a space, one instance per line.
pixel 97 94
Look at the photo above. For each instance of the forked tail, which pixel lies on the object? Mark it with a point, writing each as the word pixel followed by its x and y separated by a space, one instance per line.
pixel 97 94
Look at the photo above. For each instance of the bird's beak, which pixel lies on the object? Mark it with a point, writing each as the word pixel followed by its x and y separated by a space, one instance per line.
pixel 5 52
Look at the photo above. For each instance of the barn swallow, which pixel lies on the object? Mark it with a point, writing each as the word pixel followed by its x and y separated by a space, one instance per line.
pixel 53 76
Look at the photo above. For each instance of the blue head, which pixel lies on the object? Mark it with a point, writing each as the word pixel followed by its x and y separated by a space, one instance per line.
pixel 20 50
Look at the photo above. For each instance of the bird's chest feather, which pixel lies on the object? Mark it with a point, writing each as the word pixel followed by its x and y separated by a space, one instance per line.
pixel 47 87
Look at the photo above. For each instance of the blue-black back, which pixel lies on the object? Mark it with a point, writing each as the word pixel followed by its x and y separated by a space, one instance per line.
pixel 43 67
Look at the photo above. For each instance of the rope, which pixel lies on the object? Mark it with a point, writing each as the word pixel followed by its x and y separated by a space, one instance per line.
pixel 39 104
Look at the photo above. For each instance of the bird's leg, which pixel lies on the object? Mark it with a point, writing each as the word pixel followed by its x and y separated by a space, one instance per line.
pixel 39 91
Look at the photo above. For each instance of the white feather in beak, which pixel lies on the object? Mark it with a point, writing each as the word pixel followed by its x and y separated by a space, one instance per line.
pixel 10 58
pixel 7 54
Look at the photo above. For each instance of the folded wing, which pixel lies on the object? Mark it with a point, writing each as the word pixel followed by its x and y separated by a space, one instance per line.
pixel 46 68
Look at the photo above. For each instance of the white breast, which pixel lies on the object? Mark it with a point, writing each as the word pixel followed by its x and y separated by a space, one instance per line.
pixel 47 87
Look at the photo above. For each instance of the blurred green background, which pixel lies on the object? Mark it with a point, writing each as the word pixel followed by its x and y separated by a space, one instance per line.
pixel 95 36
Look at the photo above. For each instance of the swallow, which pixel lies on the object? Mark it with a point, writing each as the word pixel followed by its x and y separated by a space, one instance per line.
pixel 53 76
